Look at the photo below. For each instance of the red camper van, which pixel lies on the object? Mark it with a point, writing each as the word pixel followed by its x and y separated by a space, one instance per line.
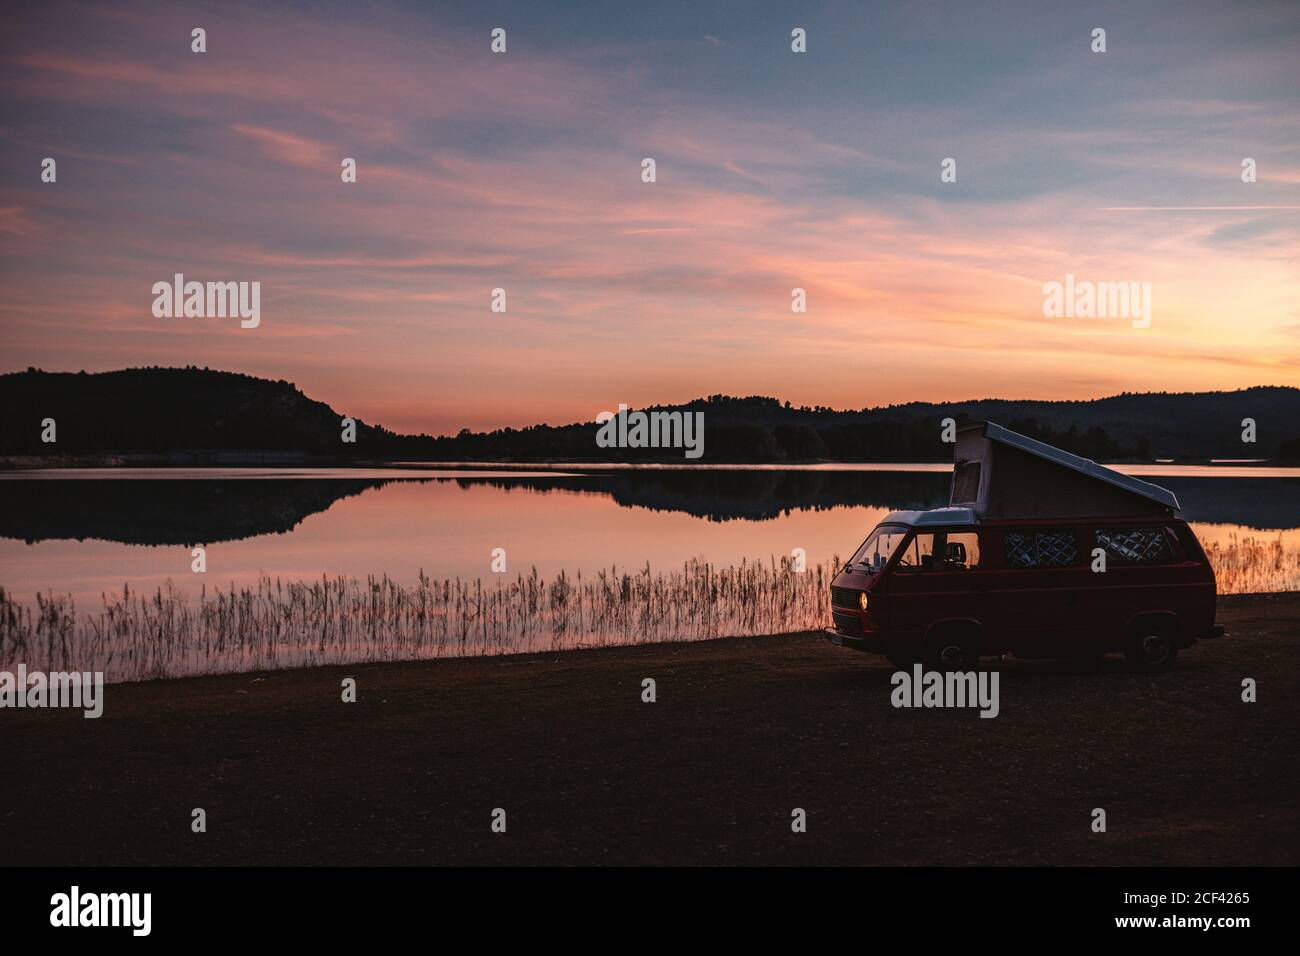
pixel 1041 553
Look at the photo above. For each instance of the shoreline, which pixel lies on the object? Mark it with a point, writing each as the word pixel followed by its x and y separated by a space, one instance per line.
pixel 1255 601
pixel 742 731
pixel 11 464
pixel 1225 602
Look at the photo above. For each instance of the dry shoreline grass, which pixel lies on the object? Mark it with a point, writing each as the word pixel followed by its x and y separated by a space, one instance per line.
pixel 334 620
pixel 1254 565
pixel 344 620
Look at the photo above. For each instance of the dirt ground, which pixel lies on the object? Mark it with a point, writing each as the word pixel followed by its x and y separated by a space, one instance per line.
pixel 743 731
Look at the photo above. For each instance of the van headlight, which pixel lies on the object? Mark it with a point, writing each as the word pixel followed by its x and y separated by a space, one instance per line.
pixel 862 600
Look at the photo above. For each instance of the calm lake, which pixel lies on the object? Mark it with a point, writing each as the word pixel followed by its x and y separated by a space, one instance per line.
pixel 83 534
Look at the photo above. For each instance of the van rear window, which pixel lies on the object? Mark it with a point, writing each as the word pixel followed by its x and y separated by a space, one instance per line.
pixel 1048 548
pixel 1135 545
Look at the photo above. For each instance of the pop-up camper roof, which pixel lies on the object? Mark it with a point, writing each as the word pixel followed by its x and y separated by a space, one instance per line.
pixel 998 473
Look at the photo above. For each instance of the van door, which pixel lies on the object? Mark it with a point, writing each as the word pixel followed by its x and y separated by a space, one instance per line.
pixel 910 586
pixel 1041 593
pixel 1141 575
pixel 938 577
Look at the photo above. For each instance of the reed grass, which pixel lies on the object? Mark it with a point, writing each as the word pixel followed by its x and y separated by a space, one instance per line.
pixel 337 620
pixel 1249 565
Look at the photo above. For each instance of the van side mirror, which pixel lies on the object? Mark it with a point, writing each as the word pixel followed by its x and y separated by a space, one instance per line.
pixel 954 553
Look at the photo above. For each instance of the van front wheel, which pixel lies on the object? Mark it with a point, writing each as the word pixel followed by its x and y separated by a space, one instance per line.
pixel 1150 650
pixel 952 651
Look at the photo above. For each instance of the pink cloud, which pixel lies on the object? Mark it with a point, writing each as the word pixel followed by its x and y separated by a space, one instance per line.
pixel 618 289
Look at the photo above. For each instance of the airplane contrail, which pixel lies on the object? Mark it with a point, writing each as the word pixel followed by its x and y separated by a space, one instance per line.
pixel 1186 208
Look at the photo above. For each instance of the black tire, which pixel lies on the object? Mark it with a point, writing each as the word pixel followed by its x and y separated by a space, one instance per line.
pixel 1151 649
pixel 952 651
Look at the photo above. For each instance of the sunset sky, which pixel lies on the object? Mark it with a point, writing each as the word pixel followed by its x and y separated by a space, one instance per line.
pixel 775 170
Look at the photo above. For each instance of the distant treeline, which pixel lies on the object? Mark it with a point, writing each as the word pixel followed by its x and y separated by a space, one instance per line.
pixel 175 411
pixel 1128 427
pixel 893 439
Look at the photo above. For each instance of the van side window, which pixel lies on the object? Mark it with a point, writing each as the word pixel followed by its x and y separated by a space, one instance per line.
pixel 961 551
pixel 966 481
pixel 1135 545
pixel 919 553
pixel 1048 548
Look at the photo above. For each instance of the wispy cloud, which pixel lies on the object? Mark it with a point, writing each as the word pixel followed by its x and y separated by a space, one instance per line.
pixel 522 171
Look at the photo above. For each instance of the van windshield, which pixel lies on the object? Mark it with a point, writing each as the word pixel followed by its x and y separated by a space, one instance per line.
pixel 876 550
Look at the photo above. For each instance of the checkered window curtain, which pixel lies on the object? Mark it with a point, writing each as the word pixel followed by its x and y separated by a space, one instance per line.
pixel 1041 549
pixel 1135 545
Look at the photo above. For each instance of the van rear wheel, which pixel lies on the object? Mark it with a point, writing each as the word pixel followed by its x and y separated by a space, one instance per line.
pixel 1151 650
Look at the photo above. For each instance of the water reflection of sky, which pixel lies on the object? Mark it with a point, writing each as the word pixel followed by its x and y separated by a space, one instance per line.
pixel 449 528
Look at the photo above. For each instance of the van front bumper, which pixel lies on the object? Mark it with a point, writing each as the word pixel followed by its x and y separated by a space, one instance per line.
pixel 859 642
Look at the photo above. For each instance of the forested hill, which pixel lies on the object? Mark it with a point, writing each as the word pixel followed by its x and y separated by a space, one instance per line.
pixel 161 410
pixel 174 411
pixel 1192 426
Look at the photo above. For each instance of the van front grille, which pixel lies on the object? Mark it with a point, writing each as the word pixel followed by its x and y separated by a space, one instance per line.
pixel 844 597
